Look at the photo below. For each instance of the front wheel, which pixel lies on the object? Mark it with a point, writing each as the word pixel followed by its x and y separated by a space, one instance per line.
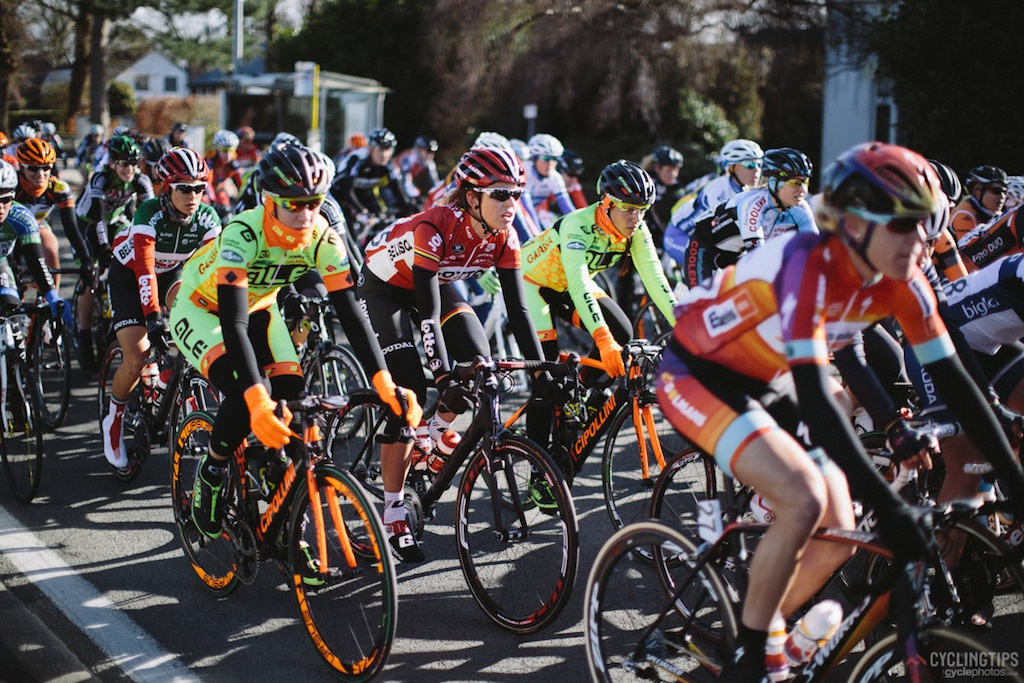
pixel 943 655
pixel 519 559
pixel 21 442
pixel 213 560
pixel 52 371
pixel 348 595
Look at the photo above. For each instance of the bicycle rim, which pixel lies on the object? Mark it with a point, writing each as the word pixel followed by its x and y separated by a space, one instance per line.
pixel 521 573
pixel 21 442
pixel 349 609
pixel 335 372
pixel 350 438
pixel 635 630
pixel 194 393
pixel 627 494
pixel 944 655
pixel 689 479
pixel 52 374
pixel 212 560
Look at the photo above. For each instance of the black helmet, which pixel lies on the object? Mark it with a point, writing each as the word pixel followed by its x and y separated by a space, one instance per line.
pixel 381 137
pixel 154 149
pixel 667 156
pixel 979 176
pixel 423 142
pixel 293 172
pixel 179 126
pixel 785 163
pixel 627 182
pixel 951 186
pixel 570 163
pixel 123 148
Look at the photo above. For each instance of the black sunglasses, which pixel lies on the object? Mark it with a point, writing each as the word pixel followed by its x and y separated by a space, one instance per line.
pixel 501 194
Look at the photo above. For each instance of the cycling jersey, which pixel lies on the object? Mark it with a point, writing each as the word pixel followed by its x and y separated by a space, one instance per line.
pixel 154 245
pixel 440 240
pixel 993 240
pixel 967 215
pixel 20 229
pixel 106 197
pixel 223 170
pixel 566 256
pixel 947 257
pixel 547 192
pixel 988 305
pixel 361 185
pixel 418 175
pixel 677 234
pixel 56 194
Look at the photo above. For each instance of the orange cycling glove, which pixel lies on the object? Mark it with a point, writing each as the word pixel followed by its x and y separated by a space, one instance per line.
pixel 385 386
pixel 611 352
pixel 271 430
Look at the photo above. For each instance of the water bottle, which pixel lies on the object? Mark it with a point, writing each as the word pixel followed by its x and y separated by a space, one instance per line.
pixel 775 662
pixel 443 449
pixel 762 509
pixel 813 631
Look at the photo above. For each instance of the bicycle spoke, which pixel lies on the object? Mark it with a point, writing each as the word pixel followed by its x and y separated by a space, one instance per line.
pixel 21 442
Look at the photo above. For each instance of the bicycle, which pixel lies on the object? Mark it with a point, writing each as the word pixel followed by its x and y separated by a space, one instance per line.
pixel 317 524
pixel 21 441
pixel 639 439
pixel 50 363
pixel 329 367
pixel 519 561
pixel 683 627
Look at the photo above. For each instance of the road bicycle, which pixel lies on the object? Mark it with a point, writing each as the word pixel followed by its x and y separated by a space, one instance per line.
pixel 519 561
pixel 678 620
pixel 49 360
pixel 21 441
pixel 329 368
pixel 639 440
pixel 317 524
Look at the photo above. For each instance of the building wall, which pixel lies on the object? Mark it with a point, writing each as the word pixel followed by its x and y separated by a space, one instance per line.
pixel 155 76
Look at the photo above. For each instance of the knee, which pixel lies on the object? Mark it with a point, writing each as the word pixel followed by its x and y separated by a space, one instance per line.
pixel 804 504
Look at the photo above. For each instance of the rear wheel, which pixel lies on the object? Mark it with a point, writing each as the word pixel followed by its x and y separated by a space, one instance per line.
pixel 21 442
pixel 335 371
pixel 348 597
pixel 520 560
pixel 213 560
pixel 52 370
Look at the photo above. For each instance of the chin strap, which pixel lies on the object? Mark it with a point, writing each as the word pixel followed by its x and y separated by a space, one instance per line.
pixel 488 230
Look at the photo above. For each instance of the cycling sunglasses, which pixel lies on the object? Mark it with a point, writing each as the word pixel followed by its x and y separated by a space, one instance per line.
pixel 296 205
pixel 798 182
pixel 623 206
pixel 902 225
pixel 7 199
pixel 188 188
pixel 46 168
pixel 750 164
pixel 500 194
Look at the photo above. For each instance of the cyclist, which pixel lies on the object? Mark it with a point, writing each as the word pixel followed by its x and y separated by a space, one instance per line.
pixel 990 242
pixel 107 205
pixel 40 192
pixel 20 133
pixel 986 192
pixel 419 172
pixel 367 186
pixel 225 171
pixel 747 219
pixel 48 132
pixel 562 261
pixel 741 162
pixel 85 155
pixel 176 138
pixel 543 183
pixel 19 230
pixel 571 166
pixel 663 164
pixel 355 141
pixel 944 252
pixel 248 151
pixel 152 152
pixel 749 356
pixel 229 326
pixel 145 274
pixel 412 269
pixel 1014 192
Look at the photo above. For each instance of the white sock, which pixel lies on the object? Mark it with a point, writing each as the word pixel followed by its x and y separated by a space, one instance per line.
pixel 394 507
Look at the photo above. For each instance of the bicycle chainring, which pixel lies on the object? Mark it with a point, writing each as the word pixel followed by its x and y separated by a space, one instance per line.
pixel 247 558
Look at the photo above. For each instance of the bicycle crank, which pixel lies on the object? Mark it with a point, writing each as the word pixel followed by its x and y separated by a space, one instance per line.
pixel 247 559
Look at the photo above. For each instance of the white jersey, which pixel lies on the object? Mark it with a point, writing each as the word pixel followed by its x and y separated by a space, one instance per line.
pixel 988 304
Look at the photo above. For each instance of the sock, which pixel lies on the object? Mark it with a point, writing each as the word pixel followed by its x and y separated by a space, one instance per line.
pixel 394 507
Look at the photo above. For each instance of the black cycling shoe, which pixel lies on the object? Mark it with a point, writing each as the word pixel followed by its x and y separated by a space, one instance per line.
pixel 207 509
pixel 403 543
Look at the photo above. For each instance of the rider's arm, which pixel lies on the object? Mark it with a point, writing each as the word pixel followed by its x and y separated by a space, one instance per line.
pixel 69 220
pixel 428 302
pixel 648 265
pixel 518 316
pixel 851 361
pixel 30 246
pixel 144 265
pixel 573 245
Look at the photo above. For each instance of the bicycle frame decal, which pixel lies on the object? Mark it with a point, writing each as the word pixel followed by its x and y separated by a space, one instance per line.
pixel 275 504
pixel 594 427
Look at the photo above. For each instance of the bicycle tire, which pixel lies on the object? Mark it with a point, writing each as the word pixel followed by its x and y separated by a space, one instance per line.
pixel 349 438
pixel 936 645
pixel 627 495
pixel 212 560
pixel 193 393
pixel 624 598
pixel 108 367
pixel 651 325
pixel 21 441
pixel 688 479
pixel 335 371
pixel 51 365
pixel 352 616
pixel 521 577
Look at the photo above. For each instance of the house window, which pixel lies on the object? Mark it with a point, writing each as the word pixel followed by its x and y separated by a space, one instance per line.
pixel 142 82
pixel 170 84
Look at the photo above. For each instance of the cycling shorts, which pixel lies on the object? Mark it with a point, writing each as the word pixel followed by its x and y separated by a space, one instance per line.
pixel 125 305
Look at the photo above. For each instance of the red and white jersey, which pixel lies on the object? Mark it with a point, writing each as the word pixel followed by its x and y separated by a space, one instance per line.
pixel 440 239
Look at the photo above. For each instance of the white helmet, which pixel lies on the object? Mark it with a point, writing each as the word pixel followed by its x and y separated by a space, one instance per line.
pixel 739 150
pixel 96 129
pixel 283 138
pixel 23 132
pixel 544 145
pixel 225 139
pixel 49 128
pixel 332 168
pixel 521 149
pixel 120 130
pixel 1014 191
pixel 492 140
pixel 8 179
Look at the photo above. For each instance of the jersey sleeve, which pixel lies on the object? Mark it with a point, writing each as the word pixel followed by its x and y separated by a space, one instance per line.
pixel 332 262
pixel 648 265
pixel 428 246
pixel 574 241
pixel 918 314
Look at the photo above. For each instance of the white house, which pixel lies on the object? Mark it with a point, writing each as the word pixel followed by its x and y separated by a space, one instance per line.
pixel 154 75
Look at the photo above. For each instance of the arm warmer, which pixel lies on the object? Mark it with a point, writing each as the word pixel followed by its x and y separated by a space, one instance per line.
pixel 518 317
pixel 356 325
pixel 428 302
pixel 234 321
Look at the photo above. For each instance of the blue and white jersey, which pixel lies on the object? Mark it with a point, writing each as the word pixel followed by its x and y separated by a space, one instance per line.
pixel 988 305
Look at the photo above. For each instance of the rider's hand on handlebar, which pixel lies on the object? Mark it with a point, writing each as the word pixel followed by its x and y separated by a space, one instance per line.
pixel 87 274
pixel 911 446
pixel 158 333
pixel 455 396
pixel 402 401
pixel 1012 422
pixel 271 430
pixel 611 352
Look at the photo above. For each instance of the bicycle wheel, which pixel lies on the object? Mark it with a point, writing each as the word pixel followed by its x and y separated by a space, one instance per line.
pixel 637 630
pixel 627 493
pixel 52 372
pixel 194 393
pixel 943 655
pixel 335 371
pixel 520 561
pixel 21 442
pixel 349 606
pixel 108 366
pixel 651 325
pixel 213 560
pixel 689 479
pixel 349 438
